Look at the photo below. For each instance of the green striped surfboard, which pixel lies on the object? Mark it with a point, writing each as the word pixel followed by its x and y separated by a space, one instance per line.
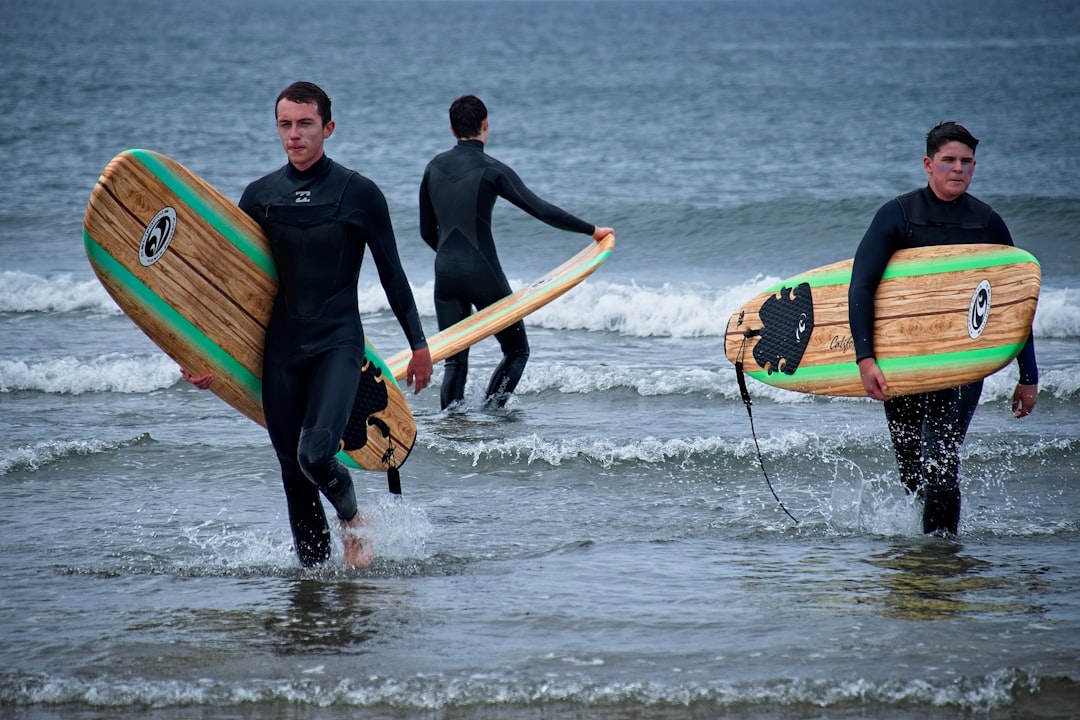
pixel 945 316
pixel 197 276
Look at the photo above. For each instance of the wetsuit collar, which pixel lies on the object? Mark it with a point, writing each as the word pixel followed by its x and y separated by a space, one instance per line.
pixel 929 191
pixel 321 165
pixel 473 144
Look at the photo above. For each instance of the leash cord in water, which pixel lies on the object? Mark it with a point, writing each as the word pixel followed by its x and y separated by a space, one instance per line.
pixel 741 377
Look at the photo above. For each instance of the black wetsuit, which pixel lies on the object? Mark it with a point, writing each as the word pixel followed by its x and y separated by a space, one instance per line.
pixel 457 196
pixel 318 222
pixel 927 429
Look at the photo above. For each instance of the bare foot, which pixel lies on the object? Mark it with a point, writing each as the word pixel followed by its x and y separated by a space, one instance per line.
pixel 358 549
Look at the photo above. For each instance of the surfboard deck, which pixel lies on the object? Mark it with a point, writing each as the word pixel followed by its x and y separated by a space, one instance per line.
pixel 946 315
pixel 196 274
pixel 511 308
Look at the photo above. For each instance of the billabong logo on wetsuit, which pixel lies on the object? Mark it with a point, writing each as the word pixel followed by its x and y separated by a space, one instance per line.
pixel 303 196
pixel 157 236
pixel 787 322
pixel 979 310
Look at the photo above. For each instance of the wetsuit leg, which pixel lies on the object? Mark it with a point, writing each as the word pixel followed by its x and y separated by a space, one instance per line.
pixel 331 390
pixel 311 533
pixel 905 415
pixel 455 373
pixel 284 412
pixel 466 278
pixel 949 413
pixel 515 347
pixel 927 431
pixel 451 309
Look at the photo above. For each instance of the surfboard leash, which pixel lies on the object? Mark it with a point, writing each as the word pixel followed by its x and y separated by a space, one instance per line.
pixel 393 479
pixel 741 377
pixel 393 475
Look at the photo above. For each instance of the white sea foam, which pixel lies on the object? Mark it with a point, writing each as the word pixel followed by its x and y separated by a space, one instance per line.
pixel 114 372
pixel 38 455
pixel 22 292
pixel 1057 316
pixel 686 310
pixel 673 310
pixel 518 695
pixel 608 452
pixel 1056 383
pixel 718 381
pixel 123 373
pixel 669 310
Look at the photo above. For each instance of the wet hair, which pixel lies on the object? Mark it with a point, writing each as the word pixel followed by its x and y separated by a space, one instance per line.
pixel 467 114
pixel 948 132
pixel 303 93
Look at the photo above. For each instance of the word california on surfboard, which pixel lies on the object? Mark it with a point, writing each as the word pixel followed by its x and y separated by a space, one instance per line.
pixel 945 316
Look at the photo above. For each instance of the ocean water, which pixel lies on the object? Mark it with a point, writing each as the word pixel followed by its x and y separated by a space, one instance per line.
pixel 608 546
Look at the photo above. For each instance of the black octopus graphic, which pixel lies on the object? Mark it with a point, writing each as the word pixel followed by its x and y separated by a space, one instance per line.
pixel 787 322
pixel 371 398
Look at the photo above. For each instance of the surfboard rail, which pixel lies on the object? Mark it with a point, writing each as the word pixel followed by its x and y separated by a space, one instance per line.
pixel 513 307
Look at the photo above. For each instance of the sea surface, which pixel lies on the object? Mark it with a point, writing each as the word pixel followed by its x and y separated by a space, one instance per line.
pixel 608 546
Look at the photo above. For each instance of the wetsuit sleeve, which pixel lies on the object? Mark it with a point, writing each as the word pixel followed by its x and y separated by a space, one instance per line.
pixel 372 217
pixel 510 186
pixel 879 242
pixel 997 231
pixel 248 202
pixel 1029 367
pixel 429 224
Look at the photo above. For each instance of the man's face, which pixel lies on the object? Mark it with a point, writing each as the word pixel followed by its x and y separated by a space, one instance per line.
pixel 950 170
pixel 302 132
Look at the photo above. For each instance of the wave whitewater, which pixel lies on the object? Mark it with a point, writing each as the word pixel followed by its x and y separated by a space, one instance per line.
pixel 671 310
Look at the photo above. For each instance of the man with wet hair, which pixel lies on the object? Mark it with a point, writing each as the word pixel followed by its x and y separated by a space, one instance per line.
pixel 927 429
pixel 457 196
pixel 320 217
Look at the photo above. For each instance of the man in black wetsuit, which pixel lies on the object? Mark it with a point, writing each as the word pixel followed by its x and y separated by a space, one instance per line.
pixel 319 216
pixel 457 195
pixel 927 429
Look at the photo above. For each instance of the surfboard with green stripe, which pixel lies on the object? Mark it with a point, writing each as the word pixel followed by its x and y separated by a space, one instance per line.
pixel 513 307
pixel 945 316
pixel 197 275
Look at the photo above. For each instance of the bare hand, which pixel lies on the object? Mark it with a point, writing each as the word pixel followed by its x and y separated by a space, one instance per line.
pixel 599 233
pixel 873 381
pixel 1024 399
pixel 202 382
pixel 418 374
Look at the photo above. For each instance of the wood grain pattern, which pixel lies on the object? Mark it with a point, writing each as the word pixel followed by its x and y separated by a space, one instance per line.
pixel 921 336
pixel 207 300
pixel 512 308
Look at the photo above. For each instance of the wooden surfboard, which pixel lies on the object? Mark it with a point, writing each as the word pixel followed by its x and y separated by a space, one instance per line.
pixel 511 308
pixel 196 274
pixel 946 315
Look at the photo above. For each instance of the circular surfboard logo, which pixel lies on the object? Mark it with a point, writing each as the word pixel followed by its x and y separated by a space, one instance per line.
pixel 979 310
pixel 157 236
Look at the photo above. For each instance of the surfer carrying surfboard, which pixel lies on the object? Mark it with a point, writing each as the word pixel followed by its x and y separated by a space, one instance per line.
pixel 457 195
pixel 319 217
pixel 927 429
